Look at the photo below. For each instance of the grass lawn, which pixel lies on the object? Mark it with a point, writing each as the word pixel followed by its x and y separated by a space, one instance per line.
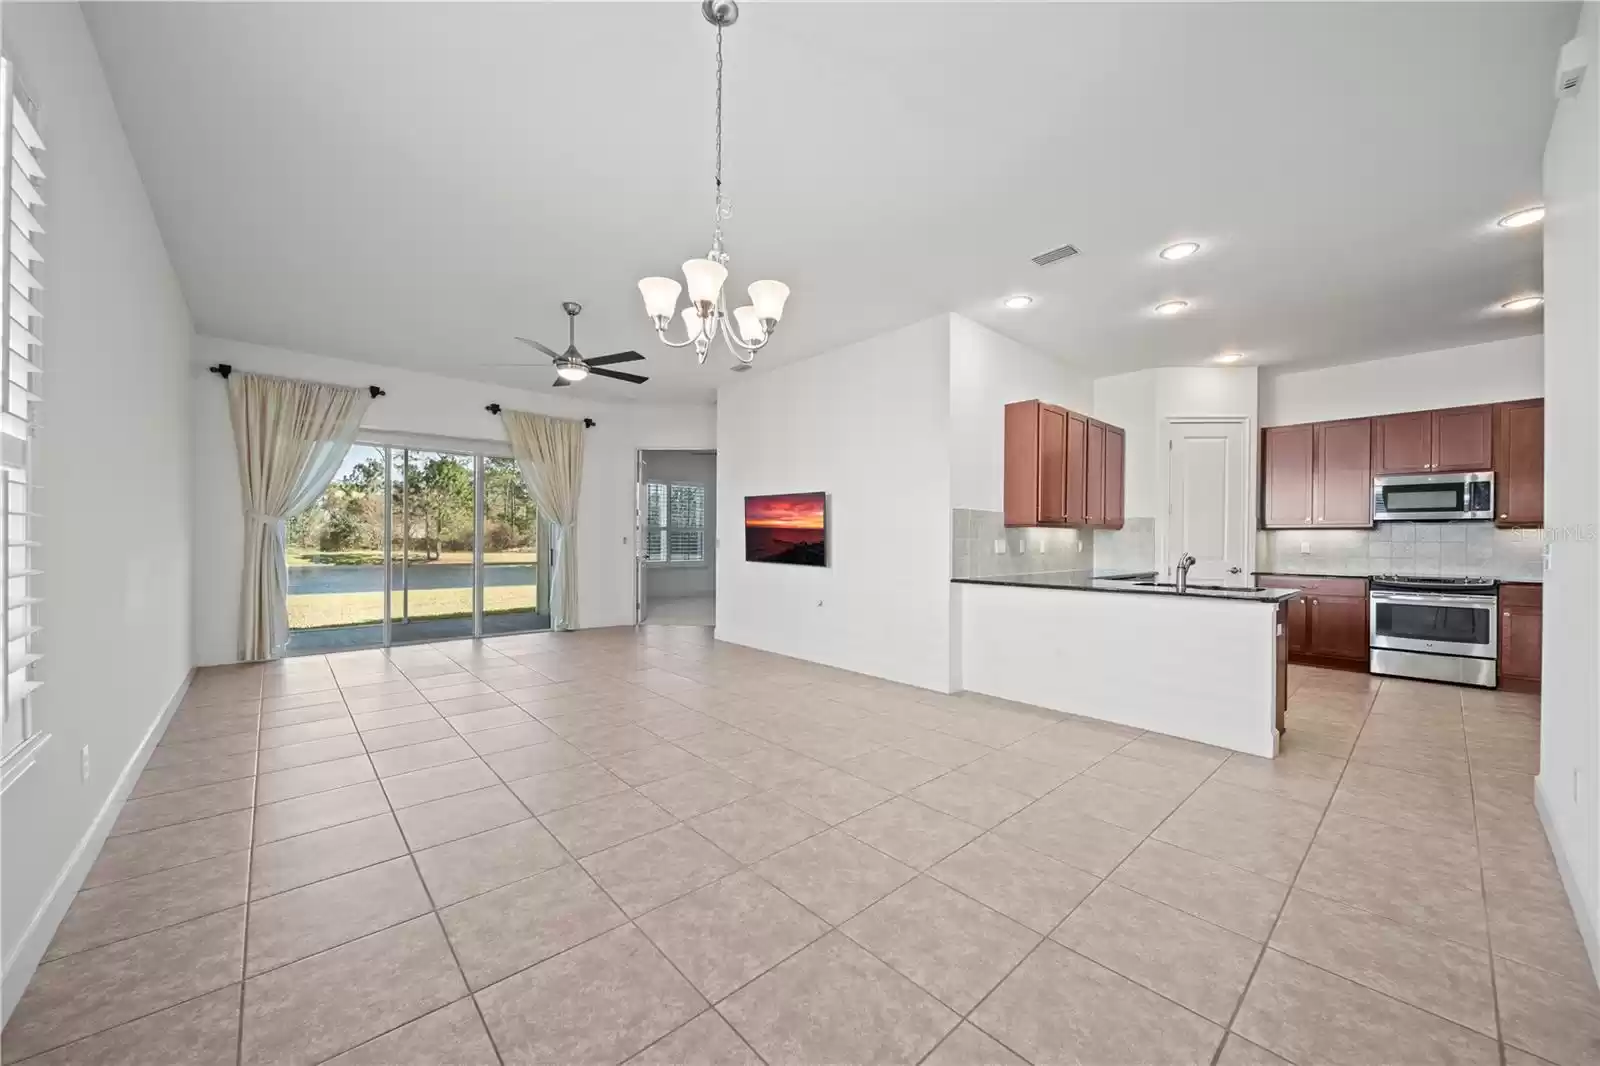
pixel 374 557
pixel 360 608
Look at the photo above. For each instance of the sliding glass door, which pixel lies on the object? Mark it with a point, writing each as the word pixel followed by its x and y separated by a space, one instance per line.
pixel 415 544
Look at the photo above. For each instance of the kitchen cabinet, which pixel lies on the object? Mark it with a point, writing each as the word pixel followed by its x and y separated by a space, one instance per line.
pixel 1519 463
pixel 1431 442
pixel 1299 625
pixel 1328 623
pixel 1342 473
pixel 1286 463
pixel 1062 468
pixel 1521 634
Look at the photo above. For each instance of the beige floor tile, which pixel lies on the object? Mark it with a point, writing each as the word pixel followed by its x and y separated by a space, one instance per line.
pixel 337 725
pixel 1549 1015
pixel 320 1006
pixel 971 799
pixel 597 824
pixel 771 766
pixel 310 752
pixel 100 916
pixel 1438 975
pixel 1236 899
pixel 391 708
pixel 705 1041
pixel 952 946
pixel 436 782
pixel 1531 922
pixel 970 1046
pixel 524 923
pixel 643 873
pixel 136 854
pixel 156 780
pixel 505 737
pixel 906 830
pixel 720 742
pixel 1254 841
pixel 1175 752
pixel 696 791
pixel 494 718
pixel 172 808
pixel 1237 1051
pixel 164 754
pixel 834 875
pixel 404 760
pixel 1200 965
pixel 644 765
pixel 1076 839
pixel 322 915
pixel 401 736
pixel 94 990
pixel 300 860
pixel 319 810
pixel 1303 776
pixel 551 791
pixel 892 769
pixel 513 764
pixel 318 777
pixel 1161 779
pixel 725 934
pixel 1309 1015
pixel 1129 808
pixel 475 864
pixel 201 1032
pixel 453 1034
pixel 1060 1007
pixel 832 795
pixel 441 820
pixel 1019 882
pixel 598 1003
pixel 833 1002
pixel 1017 773
pixel 751 829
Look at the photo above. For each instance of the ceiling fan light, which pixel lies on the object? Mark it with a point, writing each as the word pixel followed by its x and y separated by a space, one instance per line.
pixel 768 298
pixel 660 296
pixel 572 371
pixel 750 328
pixel 705 278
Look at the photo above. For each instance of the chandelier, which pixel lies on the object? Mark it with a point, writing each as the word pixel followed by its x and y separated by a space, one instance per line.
pixel 707 314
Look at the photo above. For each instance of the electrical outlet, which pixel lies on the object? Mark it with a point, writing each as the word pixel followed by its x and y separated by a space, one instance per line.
pixel 1080 547
pixel 1000 546
pixel 1305 547
pixel 819 603
pixel 83 763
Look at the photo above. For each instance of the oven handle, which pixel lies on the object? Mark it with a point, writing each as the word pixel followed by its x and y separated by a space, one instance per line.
pixel 1432 599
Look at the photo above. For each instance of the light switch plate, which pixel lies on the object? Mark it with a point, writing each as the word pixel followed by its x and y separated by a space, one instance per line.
pixel 1305 547
pixel 1000 546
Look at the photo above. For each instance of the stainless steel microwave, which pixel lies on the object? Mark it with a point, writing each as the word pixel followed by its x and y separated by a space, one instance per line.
pixel 1432 497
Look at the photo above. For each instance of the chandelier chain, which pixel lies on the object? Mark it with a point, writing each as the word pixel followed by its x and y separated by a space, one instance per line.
pixel 719 120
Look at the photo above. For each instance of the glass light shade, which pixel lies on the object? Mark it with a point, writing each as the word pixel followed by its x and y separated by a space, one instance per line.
pixel 572 372
pixel 749 324
pixel 660 296
pixel 692 323
pixel 705 279
pixel 768 297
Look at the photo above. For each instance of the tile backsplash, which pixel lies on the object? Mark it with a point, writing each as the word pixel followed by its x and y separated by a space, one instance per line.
pixel 1131 548
pixel 1476 549
pixel 982 546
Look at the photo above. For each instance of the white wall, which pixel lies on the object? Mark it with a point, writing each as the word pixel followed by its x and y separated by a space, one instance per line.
pixel 1570 736
pixel 1450 377
pixel 869 425
pixel 683 579
pixel 988 371
pixel 114 455
pixel 436 406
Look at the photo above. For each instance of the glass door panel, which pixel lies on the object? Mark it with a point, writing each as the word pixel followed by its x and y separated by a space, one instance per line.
pixel 334 554
pixel 432 538
pixel 511 541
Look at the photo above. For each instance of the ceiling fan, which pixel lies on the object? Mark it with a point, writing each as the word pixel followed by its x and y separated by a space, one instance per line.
pixel 571 366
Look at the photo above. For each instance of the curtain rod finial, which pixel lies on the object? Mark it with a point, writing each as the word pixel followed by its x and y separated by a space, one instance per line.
pixel 493 408
pixel 222 370
pixel 589 423
pixel 376 392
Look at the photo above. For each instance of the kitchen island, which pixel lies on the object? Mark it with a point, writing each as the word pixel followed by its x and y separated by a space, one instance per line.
pixel 1207 664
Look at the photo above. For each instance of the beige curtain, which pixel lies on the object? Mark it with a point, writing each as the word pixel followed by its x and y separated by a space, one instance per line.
pixel 549 453
pixel 291 437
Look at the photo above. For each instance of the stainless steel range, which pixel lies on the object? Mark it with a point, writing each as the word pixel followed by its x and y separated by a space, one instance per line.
pixel 1434 628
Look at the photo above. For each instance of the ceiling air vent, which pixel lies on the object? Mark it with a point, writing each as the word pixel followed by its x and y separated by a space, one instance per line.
pixel 1055 255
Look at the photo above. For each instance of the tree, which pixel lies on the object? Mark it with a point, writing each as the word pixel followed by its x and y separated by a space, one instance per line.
pixel 438 493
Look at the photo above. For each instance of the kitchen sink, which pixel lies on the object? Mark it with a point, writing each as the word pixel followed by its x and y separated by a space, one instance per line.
pixel 1200 585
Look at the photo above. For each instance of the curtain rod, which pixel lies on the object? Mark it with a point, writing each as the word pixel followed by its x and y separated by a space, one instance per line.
pixel 494 409
pixel 222 370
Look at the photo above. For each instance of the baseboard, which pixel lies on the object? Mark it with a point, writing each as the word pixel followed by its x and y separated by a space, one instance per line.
pixel 719 634
pixel 1569 879
pixel 19 968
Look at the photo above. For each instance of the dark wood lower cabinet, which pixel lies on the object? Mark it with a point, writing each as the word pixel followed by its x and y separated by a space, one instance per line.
pixel 1327 624
pixel 1521 635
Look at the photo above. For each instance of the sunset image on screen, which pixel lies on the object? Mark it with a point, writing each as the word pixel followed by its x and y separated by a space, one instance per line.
pixel 786 529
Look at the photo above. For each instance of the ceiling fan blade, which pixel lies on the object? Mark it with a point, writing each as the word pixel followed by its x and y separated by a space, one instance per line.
pixel 562 383
pixel 619 375
pixel 619 357
pixel 524 366
pixel 542 348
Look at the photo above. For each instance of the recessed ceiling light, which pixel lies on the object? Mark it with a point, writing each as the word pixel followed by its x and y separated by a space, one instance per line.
pixel 1180 251
pixel 1528 216
pixel 1230 357
pixel 1018 301
pixel 1522 303
pixel 1172 307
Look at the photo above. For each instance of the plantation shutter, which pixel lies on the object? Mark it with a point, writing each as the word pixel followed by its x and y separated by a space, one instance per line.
pixel 19 399
pixel 655 544
pixel 686 538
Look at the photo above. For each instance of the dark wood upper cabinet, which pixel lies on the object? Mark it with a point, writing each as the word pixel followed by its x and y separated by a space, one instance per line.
pixel 1286 464
pixel 1077 509
pixel 1519 463
pixel 1094 510
pixel 1342 474
pixel 1403 444
pixel 1462 438
pixel 1116 458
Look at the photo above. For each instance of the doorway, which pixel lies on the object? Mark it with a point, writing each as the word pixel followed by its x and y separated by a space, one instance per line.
pixel 1208 497
pixel 416 544
pixel 675 566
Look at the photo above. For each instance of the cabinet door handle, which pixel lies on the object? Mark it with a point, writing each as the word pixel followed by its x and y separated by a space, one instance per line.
pixel 1505 516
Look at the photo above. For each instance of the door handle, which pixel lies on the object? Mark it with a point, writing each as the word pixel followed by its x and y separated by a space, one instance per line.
pixel 1234 570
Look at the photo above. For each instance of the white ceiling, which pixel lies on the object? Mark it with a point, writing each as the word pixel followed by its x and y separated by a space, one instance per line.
pixel 412 184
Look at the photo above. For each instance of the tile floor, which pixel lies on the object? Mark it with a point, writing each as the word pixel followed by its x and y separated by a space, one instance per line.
pixel 643 846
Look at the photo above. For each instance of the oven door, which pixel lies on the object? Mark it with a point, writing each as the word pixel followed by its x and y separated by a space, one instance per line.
pixel 1433 497
pixel 1434 622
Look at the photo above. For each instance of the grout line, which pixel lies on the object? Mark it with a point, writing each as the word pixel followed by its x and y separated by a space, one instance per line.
pixel 249 870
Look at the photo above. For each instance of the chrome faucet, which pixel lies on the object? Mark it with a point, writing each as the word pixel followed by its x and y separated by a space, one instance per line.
pixel 1184 562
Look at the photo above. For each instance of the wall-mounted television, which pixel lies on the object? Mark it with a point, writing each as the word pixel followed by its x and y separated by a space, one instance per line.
pixel 791 528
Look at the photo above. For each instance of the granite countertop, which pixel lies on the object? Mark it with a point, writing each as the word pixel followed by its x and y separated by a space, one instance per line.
pixel 1504 580
pixel 1127 582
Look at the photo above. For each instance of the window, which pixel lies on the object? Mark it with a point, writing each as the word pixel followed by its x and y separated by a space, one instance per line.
pixel 675 523
pixel 19 392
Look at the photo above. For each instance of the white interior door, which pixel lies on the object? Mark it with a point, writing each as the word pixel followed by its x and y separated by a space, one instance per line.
pixel 641 535
pixel 1207 500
